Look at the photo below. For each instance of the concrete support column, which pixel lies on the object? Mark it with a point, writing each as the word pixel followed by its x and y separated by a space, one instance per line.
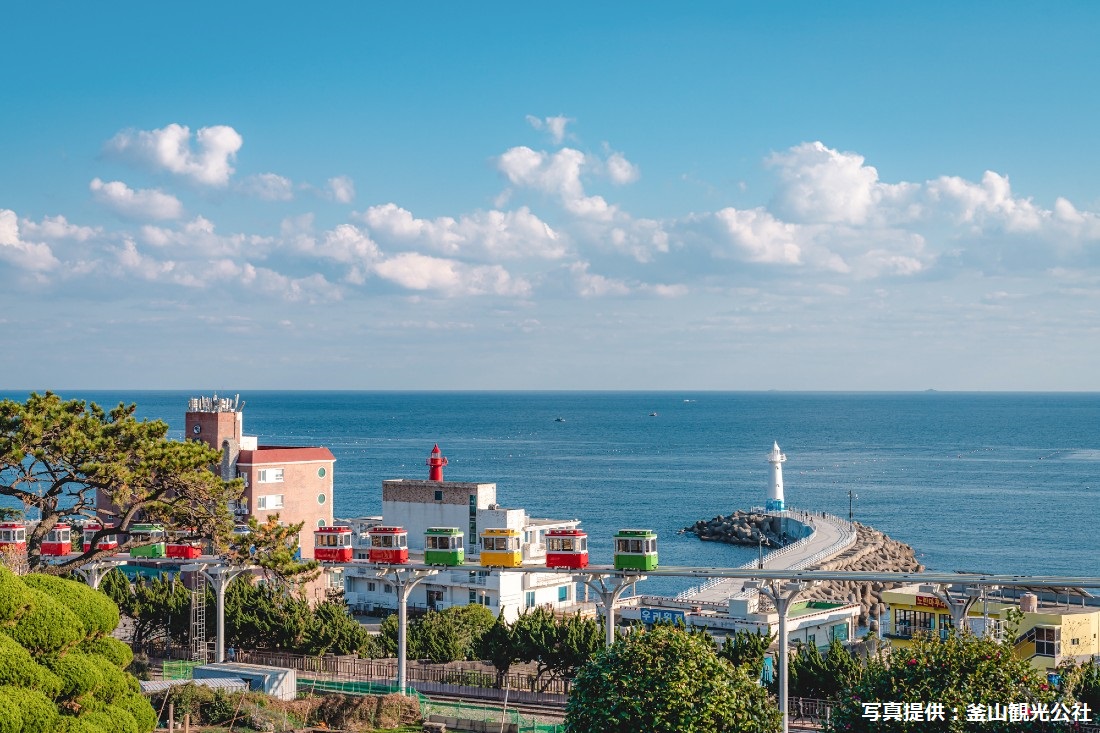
pixel 220 576
pixel 609 589
pixel 404 580
pixel 93 572
pixel 782 595
pixel 958 603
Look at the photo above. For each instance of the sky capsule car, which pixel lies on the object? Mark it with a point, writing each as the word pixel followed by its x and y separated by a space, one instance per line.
pixel 566 548
pixel 332 544
pixel 636 549
pixel 106 542
pixel 500 548
pixel 443 546
pixel 388 545
pixel 145 533
pixel 58 542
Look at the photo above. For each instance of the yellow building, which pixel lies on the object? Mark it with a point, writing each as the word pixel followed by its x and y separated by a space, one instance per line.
pixel 1046 635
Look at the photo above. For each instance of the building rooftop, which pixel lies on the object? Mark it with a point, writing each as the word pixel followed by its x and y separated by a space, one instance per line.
pixel 284 454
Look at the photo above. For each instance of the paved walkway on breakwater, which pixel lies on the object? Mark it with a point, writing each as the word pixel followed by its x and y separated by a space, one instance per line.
pixel 831 535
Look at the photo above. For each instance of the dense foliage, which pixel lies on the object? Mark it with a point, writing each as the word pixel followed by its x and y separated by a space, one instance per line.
pixel 58 669
pixel 57 456
pixel 747 649
pixel 957 673
pixel 667 680
pixel 825 677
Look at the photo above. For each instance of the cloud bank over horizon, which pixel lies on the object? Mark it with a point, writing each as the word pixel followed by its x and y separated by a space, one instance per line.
pixel 561 251
pixel 830 219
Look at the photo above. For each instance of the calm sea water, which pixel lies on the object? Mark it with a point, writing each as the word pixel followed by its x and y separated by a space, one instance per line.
pixel 985 482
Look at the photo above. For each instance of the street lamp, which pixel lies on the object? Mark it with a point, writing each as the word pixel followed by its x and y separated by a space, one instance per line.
pixel 852 496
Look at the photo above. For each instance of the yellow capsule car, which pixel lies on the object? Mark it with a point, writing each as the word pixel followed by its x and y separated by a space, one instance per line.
pixel 500 548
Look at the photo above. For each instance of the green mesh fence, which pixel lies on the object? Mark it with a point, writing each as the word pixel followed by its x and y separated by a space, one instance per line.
pixel 180 670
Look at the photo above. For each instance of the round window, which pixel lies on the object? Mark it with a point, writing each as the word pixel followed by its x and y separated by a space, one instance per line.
pixel 321 498
pixel 320 523
pixel 321 472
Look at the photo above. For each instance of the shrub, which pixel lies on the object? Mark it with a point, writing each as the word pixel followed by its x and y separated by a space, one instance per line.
pixel 65 724
pixel 14 598
pixel 18 668
pixel 38 713
pixel 98 612
pixel 123 721
pixel 79 673
pixel 117 652
pixel 142 711
pixel 101 722
pixel 11 720
pixel 47 627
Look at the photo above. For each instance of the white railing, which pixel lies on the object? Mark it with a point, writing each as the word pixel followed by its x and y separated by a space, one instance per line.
pixel 847 539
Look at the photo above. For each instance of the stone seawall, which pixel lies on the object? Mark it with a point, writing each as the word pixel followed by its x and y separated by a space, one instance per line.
pixel 872 551
pixel 741 528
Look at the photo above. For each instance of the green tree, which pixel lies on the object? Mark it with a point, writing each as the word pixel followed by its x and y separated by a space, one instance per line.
pixel 747 649
pixel 1081 682
pixel 336 632
pixel 449 635
pixel 957 672
pixel 536 635
pixel 57 456
pixel 666 680
pixel 274 548
pixel 498 647
pixel 260 615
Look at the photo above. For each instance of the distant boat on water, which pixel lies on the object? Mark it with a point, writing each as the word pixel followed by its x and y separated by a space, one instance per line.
pixel 559 419
pixel 653 414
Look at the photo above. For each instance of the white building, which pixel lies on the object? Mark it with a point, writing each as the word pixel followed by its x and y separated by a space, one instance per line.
pixel 418 504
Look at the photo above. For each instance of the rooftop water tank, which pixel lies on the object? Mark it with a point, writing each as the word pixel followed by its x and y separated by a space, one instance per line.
pixel 1029 603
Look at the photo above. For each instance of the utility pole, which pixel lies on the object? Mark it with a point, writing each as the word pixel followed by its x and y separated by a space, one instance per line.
pixel 852 496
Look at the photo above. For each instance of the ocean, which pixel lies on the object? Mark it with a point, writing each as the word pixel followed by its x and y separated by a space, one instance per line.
pixel 998 483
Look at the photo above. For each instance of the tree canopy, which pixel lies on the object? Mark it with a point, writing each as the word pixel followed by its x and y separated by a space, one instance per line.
pixel 666 680
pixel 57 455
pixel 957 681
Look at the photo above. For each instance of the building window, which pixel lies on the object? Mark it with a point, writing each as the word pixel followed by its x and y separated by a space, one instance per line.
pixel 530 599
pixel 811 639
pixel 563 593
pixel 911 623
pixel 321 472
pixel 839 631
pixel 370 587
pixel 270 501
pixel 387 588
pixel 321 498
pixel 439 495
pixel 320 523
pixel 1048 641
pixel 269 475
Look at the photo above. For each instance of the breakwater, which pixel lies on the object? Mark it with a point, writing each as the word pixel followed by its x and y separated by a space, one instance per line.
pixel 872 551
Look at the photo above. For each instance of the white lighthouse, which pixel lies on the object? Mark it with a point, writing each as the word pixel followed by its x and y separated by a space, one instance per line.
pixel 775 488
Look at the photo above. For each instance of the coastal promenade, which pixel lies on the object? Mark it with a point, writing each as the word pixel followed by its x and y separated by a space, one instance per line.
pixel 829 536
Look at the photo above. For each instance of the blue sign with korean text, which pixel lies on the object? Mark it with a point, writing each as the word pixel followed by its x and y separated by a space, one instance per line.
pixel 653 615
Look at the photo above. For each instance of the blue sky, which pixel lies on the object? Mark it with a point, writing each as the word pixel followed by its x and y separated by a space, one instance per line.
pixel 798 196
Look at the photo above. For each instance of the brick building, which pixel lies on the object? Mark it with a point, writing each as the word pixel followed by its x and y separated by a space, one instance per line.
pixel 293 482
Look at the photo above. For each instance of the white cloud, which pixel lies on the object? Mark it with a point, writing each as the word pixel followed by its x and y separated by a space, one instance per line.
pixel 989 203
pixel 589 285
pixel 555 126
pixel 341 189
pixel 758 236
pixel 820 185
pixel 169 149
pixel 620 170
pixel 449 277
pixel 149 203
pixel 486 235
pixel 58 227
pixel 556 174
pixel 34 256
pixel 198 239
pixel 269 187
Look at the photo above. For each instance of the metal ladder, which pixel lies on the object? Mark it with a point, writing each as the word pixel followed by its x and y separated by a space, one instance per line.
pixel 198 619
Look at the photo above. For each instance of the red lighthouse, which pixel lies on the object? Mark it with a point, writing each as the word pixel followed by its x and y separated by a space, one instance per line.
pixel 436 462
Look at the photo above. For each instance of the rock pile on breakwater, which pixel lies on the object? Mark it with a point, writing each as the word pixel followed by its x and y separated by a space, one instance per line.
pixel 872 551
pixel 739 528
